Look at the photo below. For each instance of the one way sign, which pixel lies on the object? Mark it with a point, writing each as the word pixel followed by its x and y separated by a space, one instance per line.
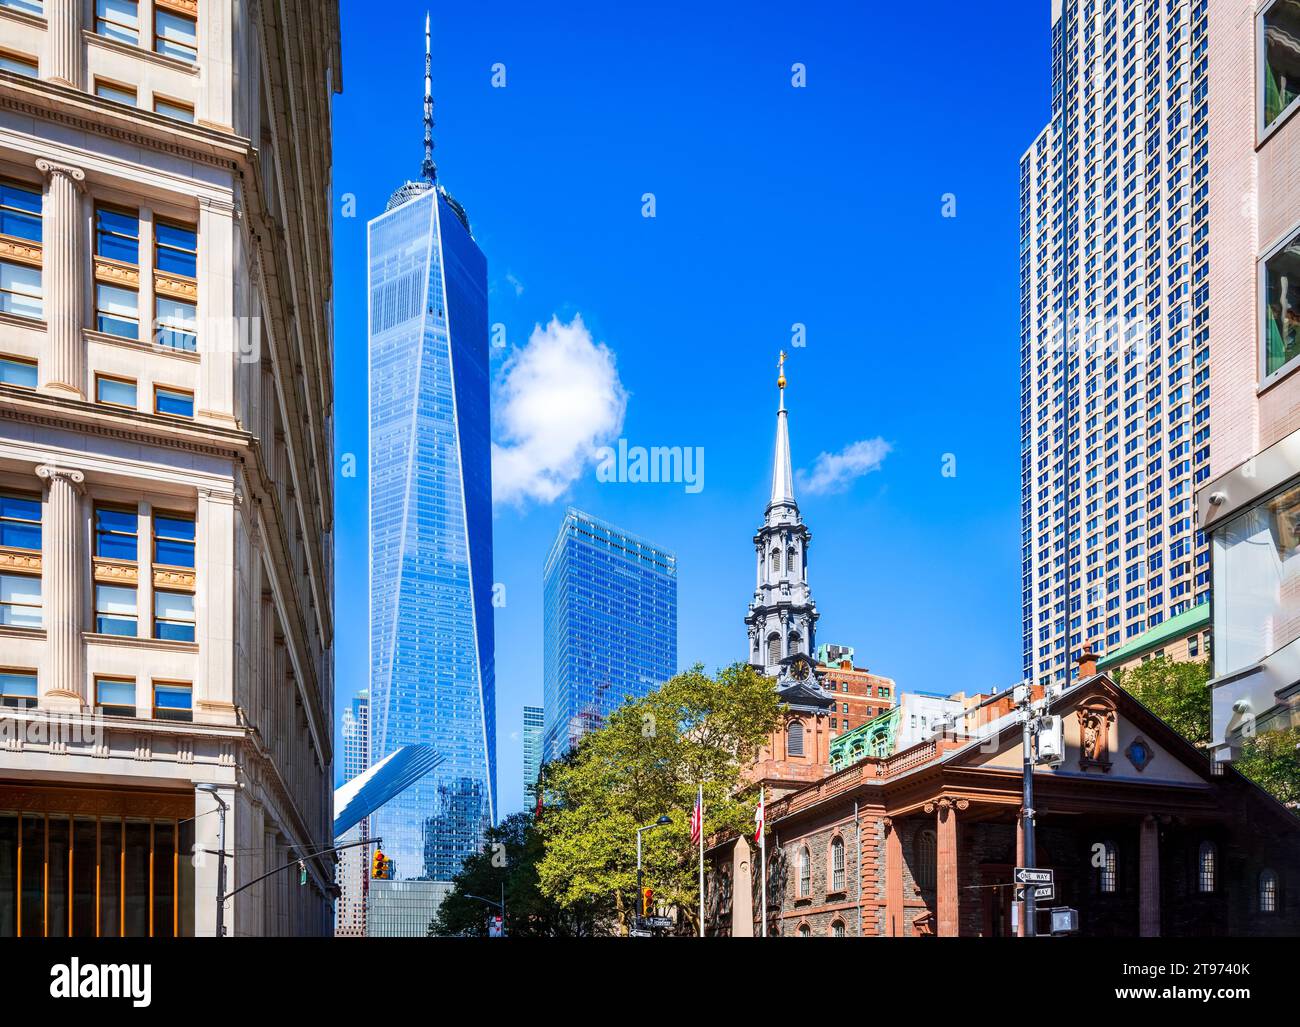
pixel 1029 875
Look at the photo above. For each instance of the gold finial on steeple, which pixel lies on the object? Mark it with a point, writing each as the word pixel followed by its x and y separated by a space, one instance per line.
pixel 781 366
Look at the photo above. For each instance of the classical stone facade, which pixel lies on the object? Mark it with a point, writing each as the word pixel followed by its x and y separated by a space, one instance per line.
pixel 1144 839
pixel 166 465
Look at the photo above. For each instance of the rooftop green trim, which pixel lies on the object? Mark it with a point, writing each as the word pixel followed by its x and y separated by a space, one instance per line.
pixel 1185 623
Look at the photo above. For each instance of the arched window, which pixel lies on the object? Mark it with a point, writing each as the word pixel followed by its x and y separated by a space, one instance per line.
pixel 796 642
pixel 794 738
pixel 925 855
pixel 1108 868
pixel 1267 891
pixel 776 561
pixel 837 929
pixel 773 649
pixel 805 872
pixel 792 561
pixel 837 864
pixel 1207 868
pixel 805 931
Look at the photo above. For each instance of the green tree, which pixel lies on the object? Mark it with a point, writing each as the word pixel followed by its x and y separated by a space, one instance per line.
pixel 1178 693
pixel 1272 760
pixel 509 858
pixel 645 762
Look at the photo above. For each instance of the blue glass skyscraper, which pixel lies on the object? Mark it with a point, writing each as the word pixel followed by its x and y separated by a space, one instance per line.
pixel 431 625
pixel 610 625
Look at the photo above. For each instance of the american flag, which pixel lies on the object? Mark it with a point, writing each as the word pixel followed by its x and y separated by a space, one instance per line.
pixel 697 819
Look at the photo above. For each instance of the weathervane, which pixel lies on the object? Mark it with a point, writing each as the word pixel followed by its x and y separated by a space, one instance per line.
pixel 780 382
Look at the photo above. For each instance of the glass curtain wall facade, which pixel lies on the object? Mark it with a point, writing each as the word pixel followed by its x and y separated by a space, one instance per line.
pixel 431 643
pixel 610 624
pixel 534 725
pixel 1114 338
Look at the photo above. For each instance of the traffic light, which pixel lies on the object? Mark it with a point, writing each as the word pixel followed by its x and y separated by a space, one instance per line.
pixel 646 896
pixel 302 873
pixel 379 867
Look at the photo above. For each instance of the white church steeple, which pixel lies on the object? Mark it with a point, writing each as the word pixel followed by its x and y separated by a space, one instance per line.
pixel 782 617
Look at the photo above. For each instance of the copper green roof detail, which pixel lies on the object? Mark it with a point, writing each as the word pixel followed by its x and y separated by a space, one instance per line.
pixel 1184 624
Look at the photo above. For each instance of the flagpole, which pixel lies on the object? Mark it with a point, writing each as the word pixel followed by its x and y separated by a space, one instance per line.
pixel 762 850
pixel 700 800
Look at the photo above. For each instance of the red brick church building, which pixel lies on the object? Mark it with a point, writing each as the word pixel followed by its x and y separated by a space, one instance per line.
pixel 1143 838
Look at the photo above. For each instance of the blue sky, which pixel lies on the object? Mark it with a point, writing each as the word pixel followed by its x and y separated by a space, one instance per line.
pixel 775 205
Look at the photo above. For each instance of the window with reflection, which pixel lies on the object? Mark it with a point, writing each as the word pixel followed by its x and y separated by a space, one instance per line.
pixel 21 291
pixel 1282 307
pixel 805 871
pixel 837 864
pixel 1281 58
pixel 119 20
pixel 174 34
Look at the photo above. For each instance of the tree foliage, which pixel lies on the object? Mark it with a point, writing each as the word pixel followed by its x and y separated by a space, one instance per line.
pixel 1178 693
pixel 1272 760
pixel 646 762
pixel 509 858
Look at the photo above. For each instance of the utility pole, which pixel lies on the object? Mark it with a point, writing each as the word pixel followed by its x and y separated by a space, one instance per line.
pixel 1027 805
pixel 211 789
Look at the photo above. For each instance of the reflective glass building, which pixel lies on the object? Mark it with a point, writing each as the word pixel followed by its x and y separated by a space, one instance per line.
pixel 610 625
pixel 431 629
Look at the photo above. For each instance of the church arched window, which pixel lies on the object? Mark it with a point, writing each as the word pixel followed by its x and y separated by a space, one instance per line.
pixel 925 855
pixel 1207 868
pixel 794 738
pixel 796 643
pixel 805 872
pixel 773 649
pixel 792 561
pixel 776 561
pixel 837 864
pixel 837 929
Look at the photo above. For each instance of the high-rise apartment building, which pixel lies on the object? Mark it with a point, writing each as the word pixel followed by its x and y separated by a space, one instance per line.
pixel 166 503
pixel 354 862
pixel 534 725
pixel 431 614
pixel 1114 338
pixel 610 624
pixel 1251 507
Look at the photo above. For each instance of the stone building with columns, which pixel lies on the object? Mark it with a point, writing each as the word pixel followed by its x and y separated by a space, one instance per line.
pixel 1144 839
pixel 166 454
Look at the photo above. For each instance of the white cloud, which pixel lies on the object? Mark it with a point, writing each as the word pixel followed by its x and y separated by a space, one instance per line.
pixel 515 283
pixel 835 472
pixel 557 400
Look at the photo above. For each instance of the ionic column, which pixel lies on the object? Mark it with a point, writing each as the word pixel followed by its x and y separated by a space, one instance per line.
pixel 1149 878
pixel 64 34
pixel 64 573
pixel 948 898
pixel 65 367
pixel 895 926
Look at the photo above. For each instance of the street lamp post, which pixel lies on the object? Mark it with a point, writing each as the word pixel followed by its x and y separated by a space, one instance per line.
pixel 211 789
pixel 500 906
pixel 636 911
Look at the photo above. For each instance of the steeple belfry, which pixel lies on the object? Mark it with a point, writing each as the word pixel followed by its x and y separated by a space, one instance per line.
pixel 782 617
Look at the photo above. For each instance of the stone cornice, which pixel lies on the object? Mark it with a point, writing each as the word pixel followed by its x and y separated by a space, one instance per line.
pixel 83 112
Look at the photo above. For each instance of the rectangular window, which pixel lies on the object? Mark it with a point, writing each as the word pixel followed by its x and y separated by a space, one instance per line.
pixel 176 325
pixel 172 701
pixel 26 6
pixel 115 697
pixel 118 19
pixel 117 311
pixel 173 540
pixel 19 63
pixel 175 35
pixel 18 688
pixel 115 611
pixel 118 392
pixel 118 94
pixel 173 109
pixel 20 601
pixel 176 249
pixel 117 235
pixel 117 532
pixel 174 402
pixel 1281 63
pixel 20 521
pixel 20 279
pixel 15 371
pixel 173 616
pixel 1281 315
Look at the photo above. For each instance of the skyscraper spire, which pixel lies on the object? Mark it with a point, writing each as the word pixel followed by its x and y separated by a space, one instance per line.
pixel 430 169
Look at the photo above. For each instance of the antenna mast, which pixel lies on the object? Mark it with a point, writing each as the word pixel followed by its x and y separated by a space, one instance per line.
pixel 430 169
